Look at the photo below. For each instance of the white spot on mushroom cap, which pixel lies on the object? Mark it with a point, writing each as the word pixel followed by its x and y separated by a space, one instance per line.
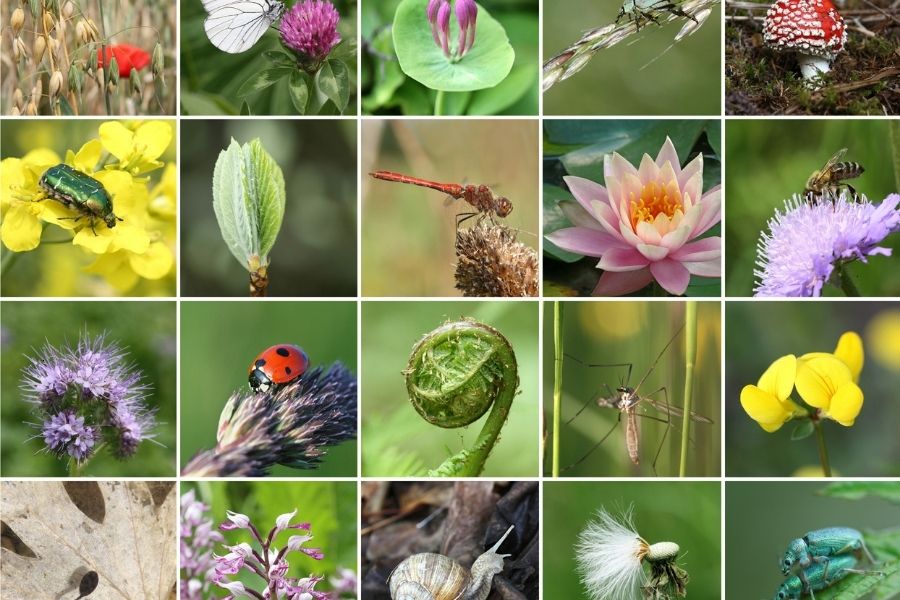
pixel 811 26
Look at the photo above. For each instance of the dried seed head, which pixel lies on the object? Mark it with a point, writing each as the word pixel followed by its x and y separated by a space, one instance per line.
pixel 491 262
pixel 40 45
pixel 157 63
pixel 31 108
pixel 17 20
pixel 68 10
pixel 135 80
pixel 56 81
pixel 19 50
pixel 92 30
pixel 80 32
pixel 18 99
pixel 55 47
pixel 114 70
pixel 48 22
pixel 37 90
pixel 101 81
pixel 76 78
pixel 14 111
pixel 92 66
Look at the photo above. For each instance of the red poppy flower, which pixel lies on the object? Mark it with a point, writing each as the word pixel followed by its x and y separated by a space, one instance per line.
pixel 128 57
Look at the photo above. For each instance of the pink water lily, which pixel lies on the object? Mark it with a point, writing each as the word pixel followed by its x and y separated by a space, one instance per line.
pixel 645 223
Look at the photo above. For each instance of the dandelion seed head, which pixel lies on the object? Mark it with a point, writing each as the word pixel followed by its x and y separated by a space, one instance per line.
pixel 609 553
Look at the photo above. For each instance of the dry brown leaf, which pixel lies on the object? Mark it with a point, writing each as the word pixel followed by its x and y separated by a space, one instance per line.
pixel 125 531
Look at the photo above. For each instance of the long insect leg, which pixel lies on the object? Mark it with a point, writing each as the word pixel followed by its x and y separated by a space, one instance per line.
pixel 667 421
pixel 584 364
pixel 595 446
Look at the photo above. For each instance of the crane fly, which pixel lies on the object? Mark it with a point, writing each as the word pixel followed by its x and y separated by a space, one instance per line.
pixel 626 400
pixel 480 197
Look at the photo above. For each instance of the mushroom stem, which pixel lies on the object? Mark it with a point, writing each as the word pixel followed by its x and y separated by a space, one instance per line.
pixel 813 67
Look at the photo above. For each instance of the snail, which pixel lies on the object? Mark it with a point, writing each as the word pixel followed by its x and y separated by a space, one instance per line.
pixel 430 576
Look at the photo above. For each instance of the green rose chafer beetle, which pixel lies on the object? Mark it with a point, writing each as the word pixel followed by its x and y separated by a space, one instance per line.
pixel 80 192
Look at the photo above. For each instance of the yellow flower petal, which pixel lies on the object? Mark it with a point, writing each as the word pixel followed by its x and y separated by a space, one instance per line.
pixel 99 243
pixel 117 139
pixel 846 404
pixel 883 337
pixel 779 377
pixel 88 157
pixel 42 157
pixel 850 350
pixel 131 238
pixel 12 176
pixel 152 138
pixel 21 229
pixel 819 378
pixel 764 408
pixel 154 263
pixel 116 269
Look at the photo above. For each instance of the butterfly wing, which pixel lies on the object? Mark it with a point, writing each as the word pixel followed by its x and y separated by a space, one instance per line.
pixel 233 26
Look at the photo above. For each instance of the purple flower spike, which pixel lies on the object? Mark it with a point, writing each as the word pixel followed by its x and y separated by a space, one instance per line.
pixel 444 25
pixel 466 13
pixel 807 242
pixel 432 14
pixel 309 28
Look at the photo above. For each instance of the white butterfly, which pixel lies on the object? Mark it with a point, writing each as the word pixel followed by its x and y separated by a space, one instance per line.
pixel 235 25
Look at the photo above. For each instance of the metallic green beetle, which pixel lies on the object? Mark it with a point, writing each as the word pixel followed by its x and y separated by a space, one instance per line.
pixel 818 577
pixel 80 192
pixel 821 545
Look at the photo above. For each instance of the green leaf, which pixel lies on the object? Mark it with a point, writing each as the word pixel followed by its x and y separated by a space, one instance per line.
pixel 299 91
pixel 245 109
pixel 856 490
pixel 611 134
pixel 248 199
pixel 205 104
pixel 263 79
pixel 387 74
pixel 485 65
pixel 65 107
pixel 493 100
pixel 342 76
pixel 884 544
pixel 554 219
pixel 803 430
pixel 333 83
pixel 280 59
pixel 455 103
pixel 714 136
pixel 859 585
pixel 266 188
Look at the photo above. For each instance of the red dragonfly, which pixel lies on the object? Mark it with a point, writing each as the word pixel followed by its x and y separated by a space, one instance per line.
pixel 482 199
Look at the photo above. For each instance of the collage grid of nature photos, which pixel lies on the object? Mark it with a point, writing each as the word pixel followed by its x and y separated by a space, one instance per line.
pixel 449 299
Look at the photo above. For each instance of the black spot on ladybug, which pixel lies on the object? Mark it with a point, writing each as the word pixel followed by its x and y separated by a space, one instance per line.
pixel 287 370
pixel 261 362
pixel 283 352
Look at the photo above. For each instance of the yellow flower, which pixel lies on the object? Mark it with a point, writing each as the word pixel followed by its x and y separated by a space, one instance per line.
pixel 136 150
pixel 22 214
pixel 769 403
pixel 826 382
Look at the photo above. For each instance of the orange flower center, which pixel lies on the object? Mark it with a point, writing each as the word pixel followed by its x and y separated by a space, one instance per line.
pixel 654 200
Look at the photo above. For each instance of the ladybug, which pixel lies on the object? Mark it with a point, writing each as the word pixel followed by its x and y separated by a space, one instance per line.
pixel 279 365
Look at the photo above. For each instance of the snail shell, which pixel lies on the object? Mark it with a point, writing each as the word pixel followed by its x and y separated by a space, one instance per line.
pixel 430 576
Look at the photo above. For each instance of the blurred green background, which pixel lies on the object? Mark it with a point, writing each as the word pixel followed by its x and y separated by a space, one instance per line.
pixel 761 332
pixel 408 232
pixel 396 440
pixel 579 147
pixel 619 332
pixel 329 507
pixel 215 359
pixel 387 90
pixel 686 513
pixel 210 78
pixel 315 253
pixel 56 269
pixel 762 517
pixel 769 161
pixel 146 330
pixel 685 80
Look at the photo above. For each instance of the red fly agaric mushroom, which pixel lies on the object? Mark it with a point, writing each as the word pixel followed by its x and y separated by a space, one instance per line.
pixel 812 28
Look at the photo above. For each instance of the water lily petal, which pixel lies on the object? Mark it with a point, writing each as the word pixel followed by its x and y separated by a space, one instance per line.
pixel 648 232
pixel 691 169
pixel 607 219
pixel 586 191
pixel 707 268
pixel 616 167
pixel 712 210
pixel 668 154
pixel 623 259
pixel 619 284
pixel 578 216
pixel 648 172
pixel 671 275
pixel 850 350
pixel 675 239
pixel 581 240
pixel 652 252
pixel 700 250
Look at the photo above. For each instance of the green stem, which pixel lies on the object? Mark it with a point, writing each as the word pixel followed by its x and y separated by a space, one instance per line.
pixel 439 104
pixel 895 145
pixel 453 375
pixel 106 75
pixel 557 380
pixel 823 450
pixel 847 284
pixel 690 356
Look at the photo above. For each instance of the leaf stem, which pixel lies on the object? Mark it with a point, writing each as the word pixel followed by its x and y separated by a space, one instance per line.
pixel 823 450
pixel 557 380
pixel 439 103
pixel 690 357
pixel 847 283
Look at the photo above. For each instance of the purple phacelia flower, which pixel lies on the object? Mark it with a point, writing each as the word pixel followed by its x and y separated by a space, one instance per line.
pixel 438 14
pixel 808 242
pixel 309 29
pixel 87 393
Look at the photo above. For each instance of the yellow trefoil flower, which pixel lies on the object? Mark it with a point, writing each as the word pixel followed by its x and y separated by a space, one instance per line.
pixel 769 401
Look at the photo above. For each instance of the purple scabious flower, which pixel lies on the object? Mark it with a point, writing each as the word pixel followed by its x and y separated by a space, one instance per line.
pixel 438 14
pixel 86 394
pixel 309 28
pixel 197 540
pixel 807 243
pixel 265 561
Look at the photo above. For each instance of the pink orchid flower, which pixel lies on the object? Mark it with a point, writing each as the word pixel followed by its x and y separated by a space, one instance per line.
pixel 645 223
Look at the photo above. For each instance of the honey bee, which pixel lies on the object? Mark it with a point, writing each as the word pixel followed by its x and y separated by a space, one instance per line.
pixel 828 180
